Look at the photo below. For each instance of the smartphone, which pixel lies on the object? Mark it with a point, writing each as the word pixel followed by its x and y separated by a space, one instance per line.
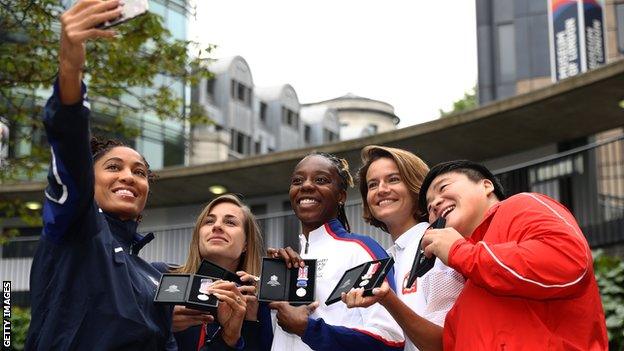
pixel 422 264
pixel 131 9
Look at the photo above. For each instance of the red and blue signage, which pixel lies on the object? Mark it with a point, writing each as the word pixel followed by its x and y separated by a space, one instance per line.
pixel 565 39
pixel 594 34
pixel 576 36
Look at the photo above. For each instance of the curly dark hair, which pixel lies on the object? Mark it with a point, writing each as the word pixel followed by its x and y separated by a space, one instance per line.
pixel 346 181
pixel 100 147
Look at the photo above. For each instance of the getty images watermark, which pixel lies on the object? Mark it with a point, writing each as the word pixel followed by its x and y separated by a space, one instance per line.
pixel 6 313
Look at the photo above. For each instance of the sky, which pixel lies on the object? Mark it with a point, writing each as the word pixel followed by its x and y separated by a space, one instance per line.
pixel 419 56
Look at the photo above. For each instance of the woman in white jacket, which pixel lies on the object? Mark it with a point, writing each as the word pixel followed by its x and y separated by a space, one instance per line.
pixel 318 191
pixel 390 180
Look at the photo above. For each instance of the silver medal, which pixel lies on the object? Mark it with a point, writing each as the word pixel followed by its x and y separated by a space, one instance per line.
pixel 301 292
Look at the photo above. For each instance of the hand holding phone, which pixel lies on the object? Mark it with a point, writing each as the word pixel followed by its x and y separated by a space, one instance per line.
pixel 130 9
pixel 422 264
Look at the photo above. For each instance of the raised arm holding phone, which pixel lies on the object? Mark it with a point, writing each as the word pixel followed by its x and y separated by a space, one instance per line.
pixel 89 288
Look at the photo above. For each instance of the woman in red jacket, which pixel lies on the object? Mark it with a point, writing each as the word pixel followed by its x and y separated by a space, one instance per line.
pixel 529 278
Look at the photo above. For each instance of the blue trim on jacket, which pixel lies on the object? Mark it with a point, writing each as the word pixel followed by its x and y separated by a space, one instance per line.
pixel 322 336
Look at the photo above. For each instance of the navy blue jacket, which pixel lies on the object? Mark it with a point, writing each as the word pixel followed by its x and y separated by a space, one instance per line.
pixel 253 337
pixel 89 289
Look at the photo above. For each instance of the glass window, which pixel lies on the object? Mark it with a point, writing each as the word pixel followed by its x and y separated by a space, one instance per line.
pixel 233 140
pixel 284 115
pixel 372 129
pixel 296 120
pixel 174 152
pixel 240 143
pixel 307 133
pixel 177 88
pixel 210 87
pixel 176 23
pixel 153 152
pixel 619 13
pixel 263 112
pixel 248 144
pixel 506 52
pixel 158 9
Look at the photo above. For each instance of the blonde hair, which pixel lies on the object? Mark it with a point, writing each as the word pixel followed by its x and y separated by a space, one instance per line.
pixel 250 258
pixel 411 169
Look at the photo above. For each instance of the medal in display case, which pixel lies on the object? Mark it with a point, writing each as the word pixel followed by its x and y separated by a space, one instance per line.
pixel 279 283
pixel 190 290
pixel 368 276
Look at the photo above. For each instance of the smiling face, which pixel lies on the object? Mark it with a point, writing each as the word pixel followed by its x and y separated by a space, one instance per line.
pixel 388 197
pixel 315 192
pixel 460 200
pixel 222 235
pixel 121 184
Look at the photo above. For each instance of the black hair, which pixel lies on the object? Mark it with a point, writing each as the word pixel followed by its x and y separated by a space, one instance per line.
pixel 474 171
pixel 100 147
pixel 346 181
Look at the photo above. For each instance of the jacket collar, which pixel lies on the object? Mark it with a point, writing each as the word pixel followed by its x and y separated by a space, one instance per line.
pixel 125 232
pixel 333 226
pixel 413 234
pixel 478 234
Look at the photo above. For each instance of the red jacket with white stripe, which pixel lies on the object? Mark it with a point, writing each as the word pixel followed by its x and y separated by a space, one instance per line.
pixel 530 282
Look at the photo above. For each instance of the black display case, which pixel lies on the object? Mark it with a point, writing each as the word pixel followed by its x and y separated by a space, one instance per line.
pixel 279 283
pixel 368 276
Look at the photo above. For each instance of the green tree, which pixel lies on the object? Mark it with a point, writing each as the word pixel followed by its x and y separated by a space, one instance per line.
pixel 144 53
pixel 609 273
pixel 469 101
pixel 20 320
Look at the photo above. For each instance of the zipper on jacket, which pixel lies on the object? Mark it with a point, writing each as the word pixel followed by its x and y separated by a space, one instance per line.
pixel 307 245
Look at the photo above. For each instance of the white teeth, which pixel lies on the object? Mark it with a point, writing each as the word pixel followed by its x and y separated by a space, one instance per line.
pixel 124 192
pixel 447 211
pixel 385 202
pixel 307 201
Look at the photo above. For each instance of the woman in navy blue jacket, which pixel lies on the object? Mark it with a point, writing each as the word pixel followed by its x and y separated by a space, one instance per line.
pixel 89 289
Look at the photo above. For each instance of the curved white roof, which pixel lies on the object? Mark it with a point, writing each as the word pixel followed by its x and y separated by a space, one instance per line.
pixel 274 92
pixel 222 65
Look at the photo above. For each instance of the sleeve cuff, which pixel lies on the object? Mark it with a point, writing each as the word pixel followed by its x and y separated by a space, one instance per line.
pixel 456 252
pixel 56 94
pixel 309 333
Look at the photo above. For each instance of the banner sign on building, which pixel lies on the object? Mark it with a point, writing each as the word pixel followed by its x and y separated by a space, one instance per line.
pixel 565 54
pixel 576 36
pixel 594 34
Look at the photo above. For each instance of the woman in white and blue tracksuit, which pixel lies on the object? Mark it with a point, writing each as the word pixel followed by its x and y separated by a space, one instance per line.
pixel 89 289
pixel 317 194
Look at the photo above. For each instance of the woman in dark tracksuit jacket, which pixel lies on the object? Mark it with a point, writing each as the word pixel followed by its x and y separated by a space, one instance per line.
pixel 227 234
pixel 89 289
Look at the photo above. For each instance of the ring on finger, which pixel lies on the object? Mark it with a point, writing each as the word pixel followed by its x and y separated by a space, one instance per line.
pixel 238 299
